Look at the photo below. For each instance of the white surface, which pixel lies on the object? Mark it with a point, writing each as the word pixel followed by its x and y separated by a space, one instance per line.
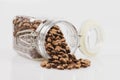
pixel 106 12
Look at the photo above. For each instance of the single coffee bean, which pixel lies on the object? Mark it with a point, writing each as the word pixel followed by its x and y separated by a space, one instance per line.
pixel 60 67
pixel 55 57
pixel 63 60
pixel 77 65
pixel 85 62
pixel 44 63
pixel 48 66
pixel 70 67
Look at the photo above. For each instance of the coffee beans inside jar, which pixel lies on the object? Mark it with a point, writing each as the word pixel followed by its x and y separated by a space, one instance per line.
pixel 23 27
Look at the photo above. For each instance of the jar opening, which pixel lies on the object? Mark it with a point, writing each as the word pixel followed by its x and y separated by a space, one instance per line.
pixel 67 29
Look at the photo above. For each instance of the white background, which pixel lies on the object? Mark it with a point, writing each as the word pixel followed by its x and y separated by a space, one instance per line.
pixel 104 66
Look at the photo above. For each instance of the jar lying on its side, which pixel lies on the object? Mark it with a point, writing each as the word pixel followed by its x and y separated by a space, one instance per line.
pixel 30 36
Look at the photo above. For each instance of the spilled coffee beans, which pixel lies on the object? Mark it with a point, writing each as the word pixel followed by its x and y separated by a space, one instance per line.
pixel 59 51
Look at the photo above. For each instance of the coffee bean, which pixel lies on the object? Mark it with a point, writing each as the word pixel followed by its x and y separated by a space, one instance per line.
pixel 65 56
pixel 58 48
pixel 55 27
pixel 56 61
pixel 56 43
pixel 44 63
pixel 58 38
pixel 63 60
pixel 37 22
pixel 65 66
pixel 85 62
pixel 55 57
pixel 26 25
pixel 60 67
pixel 70 67
pixel 35 26
pixel 49 40
pixel 48 66
pixel 53 31
pixel 53 65
pixel 77 65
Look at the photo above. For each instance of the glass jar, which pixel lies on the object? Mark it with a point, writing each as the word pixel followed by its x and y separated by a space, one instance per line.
pixel 30 34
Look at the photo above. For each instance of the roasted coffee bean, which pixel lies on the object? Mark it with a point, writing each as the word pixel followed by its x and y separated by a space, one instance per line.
pixel 63 50
pixel 60 56
pixel 70 66
pixel 63 40
pixel 53 65
pixel 53 31
pixel 65 56
pixel 26 20
pixel 20 25
pixel 49 40
pixel 49 46
pixel 35 26
pixel 53 52
pixel 63 60
pixel 56 61
pixel 58 48
pixel 78 62
pixel 49 35
pixel 44 63
pixel 73 57
pixel 26 25
pixel 57 42
pixel 60 67
pixel 70 61
pixel 48 66
pixel 55 27
pixel 85 62
pixel 67 49
pixel 65 66
pixel 55 57
pixel 37 22
pixel 57 38
pixel 64 43
pixel 59 32
pixel 77 65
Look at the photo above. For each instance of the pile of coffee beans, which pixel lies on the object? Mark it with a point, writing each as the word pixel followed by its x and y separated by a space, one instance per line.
pixel 65 63
pixel 59 51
